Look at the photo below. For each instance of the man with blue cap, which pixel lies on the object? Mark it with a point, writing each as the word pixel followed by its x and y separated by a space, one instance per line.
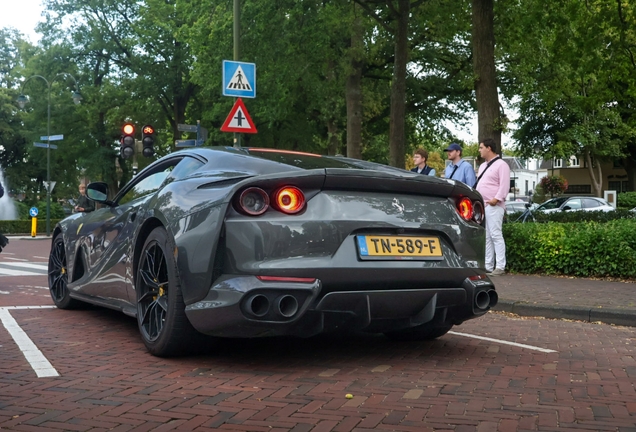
pixel 459 169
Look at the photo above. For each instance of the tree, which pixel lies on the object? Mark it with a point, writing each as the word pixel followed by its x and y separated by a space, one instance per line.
pixel 554 184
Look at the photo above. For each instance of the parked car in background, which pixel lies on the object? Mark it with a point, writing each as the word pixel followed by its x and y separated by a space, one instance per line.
pixel 575 203
pixel 516 206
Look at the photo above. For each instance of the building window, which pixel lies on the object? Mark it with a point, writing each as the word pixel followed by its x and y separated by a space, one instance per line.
pixel 557 163
pixel 575 162
pixel 579 189
pixel 618 185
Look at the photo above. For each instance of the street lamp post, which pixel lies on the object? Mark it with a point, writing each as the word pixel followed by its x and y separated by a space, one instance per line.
pixel 22 100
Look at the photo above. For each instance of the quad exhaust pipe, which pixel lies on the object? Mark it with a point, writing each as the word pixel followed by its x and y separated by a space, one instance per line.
pixel 486 299
pixel 283 307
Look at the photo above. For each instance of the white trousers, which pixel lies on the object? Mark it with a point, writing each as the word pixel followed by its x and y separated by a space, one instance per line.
pixel 495 245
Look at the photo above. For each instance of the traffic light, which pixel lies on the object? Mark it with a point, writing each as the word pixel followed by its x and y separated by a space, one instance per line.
pixel 148 140
pixel 128 141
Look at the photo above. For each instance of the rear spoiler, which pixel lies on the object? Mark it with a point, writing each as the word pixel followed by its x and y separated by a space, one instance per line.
pixel 400 182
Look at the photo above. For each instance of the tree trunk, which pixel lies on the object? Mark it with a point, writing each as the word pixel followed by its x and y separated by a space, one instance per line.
pixel 398 87
pixel 333 140
pixel 595 177
pixel 354 89
pixel 488 111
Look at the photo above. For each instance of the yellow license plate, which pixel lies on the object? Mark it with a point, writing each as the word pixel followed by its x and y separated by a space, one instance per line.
pixel 371 246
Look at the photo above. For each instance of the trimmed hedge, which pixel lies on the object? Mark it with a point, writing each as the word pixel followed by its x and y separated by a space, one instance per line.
pixel 583 249
pixel 626 200
pixel 24 226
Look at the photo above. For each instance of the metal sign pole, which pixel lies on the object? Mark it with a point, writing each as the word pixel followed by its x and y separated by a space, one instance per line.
pixel 237 51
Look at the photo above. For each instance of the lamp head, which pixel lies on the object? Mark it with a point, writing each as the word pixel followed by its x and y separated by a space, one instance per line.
pixel 22 101
pixel 77 97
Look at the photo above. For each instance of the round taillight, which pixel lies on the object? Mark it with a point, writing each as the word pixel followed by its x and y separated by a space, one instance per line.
pixel 478 212
pixel 289 199
pixel 465 208
pixel 253 201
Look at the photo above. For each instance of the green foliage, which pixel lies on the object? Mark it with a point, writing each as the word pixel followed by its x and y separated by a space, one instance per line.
pixel 626 200
pixel 583 249
pixel 23 227
pixel 539 196
pixel 57 210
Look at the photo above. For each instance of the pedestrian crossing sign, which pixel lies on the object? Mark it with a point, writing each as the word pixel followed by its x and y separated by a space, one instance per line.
pixel 239 79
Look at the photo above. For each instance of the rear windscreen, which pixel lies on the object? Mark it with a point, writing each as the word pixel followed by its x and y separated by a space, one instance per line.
pixel 303 160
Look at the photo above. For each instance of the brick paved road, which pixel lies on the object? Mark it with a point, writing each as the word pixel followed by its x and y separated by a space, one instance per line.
pixel 108 382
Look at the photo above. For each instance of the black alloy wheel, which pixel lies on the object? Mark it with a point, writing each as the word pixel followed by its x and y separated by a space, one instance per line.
pixel 164 327
pixel 152 306
pixel 58 276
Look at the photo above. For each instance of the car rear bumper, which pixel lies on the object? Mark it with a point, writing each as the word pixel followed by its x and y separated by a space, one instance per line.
pixel 244 306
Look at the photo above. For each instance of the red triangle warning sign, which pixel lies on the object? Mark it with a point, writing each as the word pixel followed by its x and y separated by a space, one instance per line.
pixel 239 120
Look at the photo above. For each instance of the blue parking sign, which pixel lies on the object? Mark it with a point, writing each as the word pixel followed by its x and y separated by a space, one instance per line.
pixel 33 211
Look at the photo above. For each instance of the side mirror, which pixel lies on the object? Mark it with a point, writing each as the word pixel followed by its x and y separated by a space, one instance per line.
pixel 98 192
pixel 566 208
pixel 527 205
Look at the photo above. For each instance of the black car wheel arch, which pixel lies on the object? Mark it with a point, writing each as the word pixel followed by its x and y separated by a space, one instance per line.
pixel 164 327
pixel 58 276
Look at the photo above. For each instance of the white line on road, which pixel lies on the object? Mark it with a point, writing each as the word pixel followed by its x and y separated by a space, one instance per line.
pixel 34 356
pixel 45 258
pixel 545 350
pixel 38 266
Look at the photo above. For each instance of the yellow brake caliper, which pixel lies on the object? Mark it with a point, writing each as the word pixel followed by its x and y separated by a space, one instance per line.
pixel 161 291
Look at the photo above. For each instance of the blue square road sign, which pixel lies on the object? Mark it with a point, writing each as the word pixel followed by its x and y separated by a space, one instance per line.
pixel 239 79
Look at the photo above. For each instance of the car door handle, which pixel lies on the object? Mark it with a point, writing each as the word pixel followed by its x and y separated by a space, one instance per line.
pixel 132 217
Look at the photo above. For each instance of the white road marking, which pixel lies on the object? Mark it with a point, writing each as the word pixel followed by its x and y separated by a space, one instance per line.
pixel 16 259
pixel 44 258
pixel 545 350
pixel 39 266
pixel 34 356
pixel 9 272
pixel 23 268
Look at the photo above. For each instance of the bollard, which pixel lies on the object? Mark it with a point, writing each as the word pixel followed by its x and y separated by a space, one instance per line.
pixel 34 226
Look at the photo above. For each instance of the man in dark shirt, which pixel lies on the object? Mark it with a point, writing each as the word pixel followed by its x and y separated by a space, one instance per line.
pixel 84 203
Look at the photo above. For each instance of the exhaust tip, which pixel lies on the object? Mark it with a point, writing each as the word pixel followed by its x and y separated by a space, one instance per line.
pixel 482 300
pixel 258 305
pixel 287 306
pixel 494 298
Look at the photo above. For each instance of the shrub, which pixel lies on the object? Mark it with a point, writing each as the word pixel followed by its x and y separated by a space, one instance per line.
pixel 584 249
pixel 24 226
pixel 554 185
pixel 626 200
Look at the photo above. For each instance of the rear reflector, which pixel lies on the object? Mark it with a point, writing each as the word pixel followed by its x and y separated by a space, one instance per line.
pixel 285 279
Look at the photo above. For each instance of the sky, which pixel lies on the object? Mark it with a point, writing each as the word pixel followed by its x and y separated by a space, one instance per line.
pixel 22 15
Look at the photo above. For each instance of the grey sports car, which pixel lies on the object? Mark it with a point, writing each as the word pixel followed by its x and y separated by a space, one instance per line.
pixel 247 242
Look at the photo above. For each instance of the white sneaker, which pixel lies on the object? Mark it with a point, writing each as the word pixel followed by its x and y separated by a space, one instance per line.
pixel 496 272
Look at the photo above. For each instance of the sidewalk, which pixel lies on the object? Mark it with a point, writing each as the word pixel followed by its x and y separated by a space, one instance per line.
pixel 571 298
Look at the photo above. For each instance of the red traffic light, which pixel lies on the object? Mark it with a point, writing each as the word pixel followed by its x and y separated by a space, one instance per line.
pixel 148 130
pixel 129 129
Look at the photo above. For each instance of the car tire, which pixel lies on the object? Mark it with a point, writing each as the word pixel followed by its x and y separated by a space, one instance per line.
pixel 164 327
pixel 58 276
pixel 420 333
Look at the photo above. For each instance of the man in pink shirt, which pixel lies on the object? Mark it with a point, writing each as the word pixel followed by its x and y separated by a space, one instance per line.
pixel 493 183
